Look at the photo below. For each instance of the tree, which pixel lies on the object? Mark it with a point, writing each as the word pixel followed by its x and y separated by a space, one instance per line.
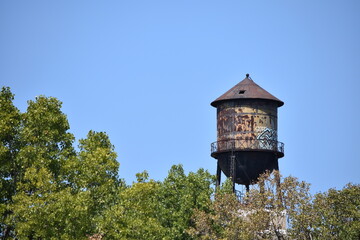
pixel 9 140
pixel 48 190
pixel 158 210
pixel 180 196
pixel 222 221
pixel 136 213
pixel 69 209
pixel 261 214
pixel 338 213
pixel 44 146
pixel 95 170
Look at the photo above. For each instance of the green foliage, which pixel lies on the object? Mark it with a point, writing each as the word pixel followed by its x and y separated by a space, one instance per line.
pixel 158 210
pixel 9 134
pixel 49 190
pixel 338 213
pixel 180 195
pixel 44 146
pixel 226 187
pixel 135 215
pixel 142 177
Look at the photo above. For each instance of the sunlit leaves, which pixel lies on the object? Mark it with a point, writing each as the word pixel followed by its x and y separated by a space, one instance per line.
pixel 135 216
pixel 338 213
pixel 9 141
pixel 180 195
pixel 48 190
pixel 158 210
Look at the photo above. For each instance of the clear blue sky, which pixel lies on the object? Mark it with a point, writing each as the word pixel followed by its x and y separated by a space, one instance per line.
pixel 145 72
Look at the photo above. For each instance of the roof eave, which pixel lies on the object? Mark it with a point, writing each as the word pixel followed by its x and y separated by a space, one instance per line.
pixel 217 102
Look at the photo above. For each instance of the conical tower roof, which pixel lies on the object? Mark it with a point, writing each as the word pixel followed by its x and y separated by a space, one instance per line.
pixel 246 89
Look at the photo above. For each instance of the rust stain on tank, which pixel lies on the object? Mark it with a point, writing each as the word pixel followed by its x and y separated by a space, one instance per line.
pixel 245 120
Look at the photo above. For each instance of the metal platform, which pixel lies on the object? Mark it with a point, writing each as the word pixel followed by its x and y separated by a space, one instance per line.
pixel 231 145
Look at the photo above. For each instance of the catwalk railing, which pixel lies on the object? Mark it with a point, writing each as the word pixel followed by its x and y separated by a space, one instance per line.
pixel 247 145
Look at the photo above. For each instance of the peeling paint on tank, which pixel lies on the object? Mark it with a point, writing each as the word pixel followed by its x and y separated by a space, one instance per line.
pixel 244 121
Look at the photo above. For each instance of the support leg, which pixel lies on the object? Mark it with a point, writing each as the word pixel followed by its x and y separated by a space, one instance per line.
pixel 277 179
pixel 233 172
pixel 218 175
pixel 247 188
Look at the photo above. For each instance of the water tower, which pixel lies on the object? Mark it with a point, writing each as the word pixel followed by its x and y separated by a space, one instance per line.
pixel 247 143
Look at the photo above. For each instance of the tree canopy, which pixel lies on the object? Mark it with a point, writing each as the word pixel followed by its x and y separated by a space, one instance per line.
pixel 51 190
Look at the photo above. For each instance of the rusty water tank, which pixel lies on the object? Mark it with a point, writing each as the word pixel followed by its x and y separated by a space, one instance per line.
pixel 247 125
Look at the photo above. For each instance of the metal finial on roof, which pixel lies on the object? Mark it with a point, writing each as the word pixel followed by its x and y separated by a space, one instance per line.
pixel 247 75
